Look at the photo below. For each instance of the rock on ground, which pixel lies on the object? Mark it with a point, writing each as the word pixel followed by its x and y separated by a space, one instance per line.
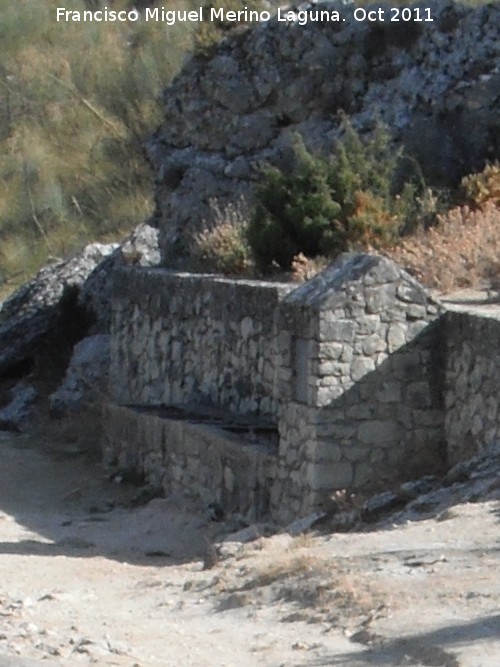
pixel 18 411
pixel 47 302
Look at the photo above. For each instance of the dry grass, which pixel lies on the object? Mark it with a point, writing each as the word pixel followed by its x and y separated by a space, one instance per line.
pixel 304 268
pixel 483 188
pixel 305 585
pixel 463 250
pixel 223 247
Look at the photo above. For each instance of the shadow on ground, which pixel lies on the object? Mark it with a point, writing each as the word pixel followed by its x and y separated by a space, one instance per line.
pixel 425 649
pixel 58 503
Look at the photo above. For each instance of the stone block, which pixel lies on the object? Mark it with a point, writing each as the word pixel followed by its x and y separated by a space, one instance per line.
pixel 329 351
pixel 373 344
pixel 396 336
pixel 416 328
pixel 379 433
pixel 355 453
pixel 389 392
pixel 323 450
pixel 411 293
pixel 379 299
pixel 360 367
pixel 326 476
pixel 342 331
pixel 416 312
pixel 332 368
pixel 368 324
pixel 418 395
pixel 328 395
pixel 364 474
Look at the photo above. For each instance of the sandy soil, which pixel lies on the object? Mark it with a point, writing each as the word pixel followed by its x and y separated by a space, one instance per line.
pixel 87 576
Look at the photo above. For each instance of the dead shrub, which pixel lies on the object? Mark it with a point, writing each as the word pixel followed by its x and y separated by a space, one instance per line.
pixel 484 187
pixel 223 247
pixel 462 250
pixel 304 268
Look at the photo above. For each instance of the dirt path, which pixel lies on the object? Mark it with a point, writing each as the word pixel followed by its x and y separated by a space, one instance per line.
pixel 85 578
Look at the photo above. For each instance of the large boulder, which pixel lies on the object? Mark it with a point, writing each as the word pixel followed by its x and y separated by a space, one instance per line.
pixel 66 301
pixel 47 303
pixel 86 377
pixel 434 83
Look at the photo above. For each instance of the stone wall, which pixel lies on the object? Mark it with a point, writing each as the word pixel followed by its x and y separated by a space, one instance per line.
pixel 347 367
pixel 366 405
pixel 472 381
pixel 184 338
pixel 202 462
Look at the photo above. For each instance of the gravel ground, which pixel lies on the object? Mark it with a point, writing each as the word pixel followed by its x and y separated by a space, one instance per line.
pixel 89 576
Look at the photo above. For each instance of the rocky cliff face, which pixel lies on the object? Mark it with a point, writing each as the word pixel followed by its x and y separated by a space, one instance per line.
pixel 434 83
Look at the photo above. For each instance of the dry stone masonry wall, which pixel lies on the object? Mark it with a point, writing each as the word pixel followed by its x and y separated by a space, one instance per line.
pixel 183 339
pixel 366 404
pixel 191 459
pixel 268 397
pixel 472 383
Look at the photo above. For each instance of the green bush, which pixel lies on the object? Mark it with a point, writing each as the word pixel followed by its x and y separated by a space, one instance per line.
pixel 294 212
pixel 327 205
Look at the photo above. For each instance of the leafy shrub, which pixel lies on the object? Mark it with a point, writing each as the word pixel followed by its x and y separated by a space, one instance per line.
pixel 327 205
pixel 223 248
pixel 481 188
pixel 294 212
pixel 462 250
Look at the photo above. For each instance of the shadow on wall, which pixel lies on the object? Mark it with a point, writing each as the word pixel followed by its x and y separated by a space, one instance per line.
pixel 388 426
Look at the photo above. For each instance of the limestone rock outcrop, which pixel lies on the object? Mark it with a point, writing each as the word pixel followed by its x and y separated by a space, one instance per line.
pixel 47 303
pixel 86 376
pixel 66 301
pixel 434 83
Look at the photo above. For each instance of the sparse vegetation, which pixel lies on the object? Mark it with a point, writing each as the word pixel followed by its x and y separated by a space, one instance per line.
pixel 78 100
pixel 223 247
pixel 315 589
pixel 484 187
pixel 305 268
pixel 462 250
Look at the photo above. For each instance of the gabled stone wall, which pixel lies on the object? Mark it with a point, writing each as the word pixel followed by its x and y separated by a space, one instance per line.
pixel 347 367
pixel 366 406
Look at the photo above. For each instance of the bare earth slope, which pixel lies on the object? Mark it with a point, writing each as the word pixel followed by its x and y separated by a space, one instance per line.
pixel 87 578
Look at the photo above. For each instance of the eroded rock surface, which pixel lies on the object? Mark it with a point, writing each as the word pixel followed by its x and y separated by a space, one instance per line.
pixel 62 317
pixel 86 376
pixel 434 83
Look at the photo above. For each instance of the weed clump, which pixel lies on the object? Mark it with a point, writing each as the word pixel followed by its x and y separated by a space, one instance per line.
pixel 462 250
pixel 223 247
pixel 482 188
